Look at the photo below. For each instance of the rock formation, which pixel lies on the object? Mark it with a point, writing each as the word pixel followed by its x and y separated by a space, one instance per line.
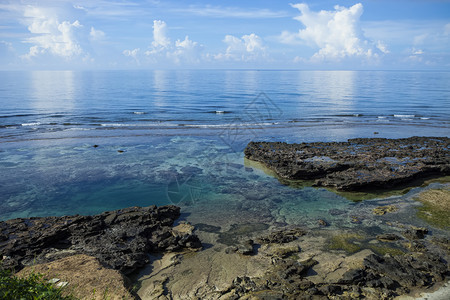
pixel 358 164
pixel 119 239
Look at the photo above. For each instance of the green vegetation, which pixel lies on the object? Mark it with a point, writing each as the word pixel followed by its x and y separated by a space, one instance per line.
pixel 383 250
pixel 435 207
pixel 32 287
pixel 345 241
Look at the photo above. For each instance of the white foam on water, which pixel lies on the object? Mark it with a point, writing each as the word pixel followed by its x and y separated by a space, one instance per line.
pixel 31 124
pixel 139 112
pixel 404 116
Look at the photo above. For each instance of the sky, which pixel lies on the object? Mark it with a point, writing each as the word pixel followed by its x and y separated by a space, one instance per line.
pixel 256 34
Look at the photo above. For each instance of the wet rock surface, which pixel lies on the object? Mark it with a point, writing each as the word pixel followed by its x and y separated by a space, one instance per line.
pixel 358 163
pixel 367 276
pixel 119 239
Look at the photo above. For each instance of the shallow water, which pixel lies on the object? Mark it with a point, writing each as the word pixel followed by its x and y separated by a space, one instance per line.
pixel 86 142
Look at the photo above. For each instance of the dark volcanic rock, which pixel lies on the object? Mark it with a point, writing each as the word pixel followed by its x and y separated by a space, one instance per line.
pixel 415 233
pixel 120 239
pixel 282 236
pixel 388 237
pixel 358 163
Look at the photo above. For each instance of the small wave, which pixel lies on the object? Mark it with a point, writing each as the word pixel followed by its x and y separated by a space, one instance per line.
pixel 348 115
pixel 219 112
pixel 381 117
pixel 31 124
pixel 139 112
pixel 424 118
pixel 159 124
pixel 118 125
pixel 77 129
pixel 231 125
pixel 18 115
pixel 404 116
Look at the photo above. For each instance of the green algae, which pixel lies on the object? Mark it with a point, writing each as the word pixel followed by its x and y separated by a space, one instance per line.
pixel 346 242
pixel 383 250
pixel 434 209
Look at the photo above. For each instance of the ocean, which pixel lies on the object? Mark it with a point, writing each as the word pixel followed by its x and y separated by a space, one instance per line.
pixel 87 142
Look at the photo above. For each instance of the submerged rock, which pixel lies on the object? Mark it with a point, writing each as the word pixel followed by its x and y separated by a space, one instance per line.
pixel 119 239
pixel 357 164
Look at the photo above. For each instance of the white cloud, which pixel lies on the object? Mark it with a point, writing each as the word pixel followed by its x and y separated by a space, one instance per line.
pixel 186 51
pixel 248 47
pixel 337 33
pixel 133 54
pixel 163 50
pixel 96 35
pixel 382 47
pixel 160 38
pixel 51 36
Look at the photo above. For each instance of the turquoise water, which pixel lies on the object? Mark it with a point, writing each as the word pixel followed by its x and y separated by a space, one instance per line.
pixel 86 142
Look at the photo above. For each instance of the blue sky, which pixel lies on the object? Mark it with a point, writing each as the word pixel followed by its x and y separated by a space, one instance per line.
pixel 150 34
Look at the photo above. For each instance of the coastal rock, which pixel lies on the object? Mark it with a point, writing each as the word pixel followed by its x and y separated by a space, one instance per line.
pixel 282 236
pixel 415 233
pixel 381 210
pixel 246 247
pixel 322 223
pixel 388 237
pixel 357 164
pixel 119 239
pixel 83 277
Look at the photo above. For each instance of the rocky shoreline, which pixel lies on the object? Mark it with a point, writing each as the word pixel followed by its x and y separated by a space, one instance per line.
pixel 358 164
pixel 249 261
pixel 119 239
pixel 264 258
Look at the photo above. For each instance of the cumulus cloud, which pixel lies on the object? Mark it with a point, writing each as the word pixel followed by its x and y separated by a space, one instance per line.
pixel 162 49
pixel 50 35
pixel 336 33
pixel 160 38
pixel 246 48
pixel 96 35
pixel 186 51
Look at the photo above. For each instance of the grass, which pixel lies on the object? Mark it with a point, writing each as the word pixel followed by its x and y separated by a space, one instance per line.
pixel 32 287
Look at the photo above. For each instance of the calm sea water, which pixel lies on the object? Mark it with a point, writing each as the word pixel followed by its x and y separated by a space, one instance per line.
pixel 86 142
